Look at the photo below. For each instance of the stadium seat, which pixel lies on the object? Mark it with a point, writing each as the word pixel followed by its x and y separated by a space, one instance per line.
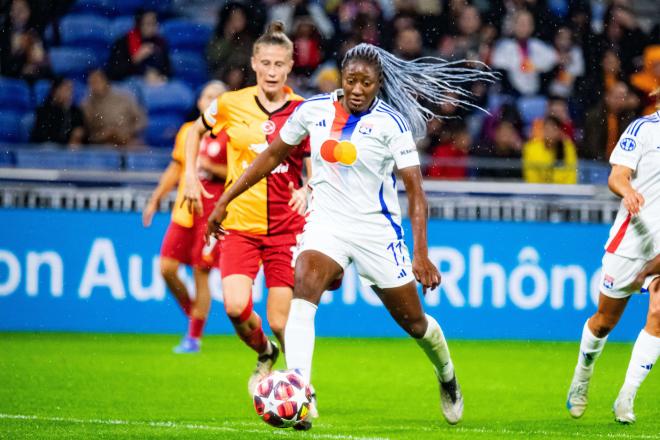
pixel 189 67
pixel 27 123
pixel 132 86
pixel 162 130
pixel 85 30
pixel 186 34
pixel 120 26
pixel 14 95
pixel 173 97
pixel 148 161
pixel 126 7
pixel 10 127
pixel 496 101
pixel 6 158
pixel 532 107
pixel 42 88
pixel 105 160
pixel 100 7
pixel 73 62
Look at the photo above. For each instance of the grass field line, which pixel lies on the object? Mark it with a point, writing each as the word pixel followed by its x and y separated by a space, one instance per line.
pixel 177 425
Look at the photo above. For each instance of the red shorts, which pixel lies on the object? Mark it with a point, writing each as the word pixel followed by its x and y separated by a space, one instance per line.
pixel 187 246
pixel 242 253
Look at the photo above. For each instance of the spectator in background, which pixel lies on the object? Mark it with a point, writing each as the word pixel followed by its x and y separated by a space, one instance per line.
pixel 505 145
pixel 307 46
pixel 28 58
pixel 570 64
pixel 473 41
pixel 327 79
pixel 448 160
pixel 557 107
pixel 231 44
pixel 142 51
pixel 646 81
pixel 623 35
pixel 600 80
pixel 111 117
pixel 606 121
pixel 552 158
pixel 523 58
pixel 58 119
pixel 408 44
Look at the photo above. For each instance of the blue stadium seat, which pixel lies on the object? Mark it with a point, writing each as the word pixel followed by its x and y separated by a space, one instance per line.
pixel 73 62
pixel 162 130
pixel 148 161
pixel 7 158
pixel 172 97
pixel 186 34
pixel 126 7
pixel 120 26
pixel 27 123
pixel 85 30
pixel 10 127
pixel 532 107
pixel 42 88
pixel 189 67
pixel 14 95
pixel 105 160
pixel 132 86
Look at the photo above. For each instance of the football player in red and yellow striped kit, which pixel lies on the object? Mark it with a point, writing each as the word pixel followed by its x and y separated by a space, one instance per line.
pixel 265 221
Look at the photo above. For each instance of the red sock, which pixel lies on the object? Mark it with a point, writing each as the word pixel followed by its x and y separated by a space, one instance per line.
pixel 254 338
pixel 196 327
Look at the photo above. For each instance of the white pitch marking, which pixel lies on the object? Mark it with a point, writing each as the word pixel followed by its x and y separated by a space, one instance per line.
pixel 176 425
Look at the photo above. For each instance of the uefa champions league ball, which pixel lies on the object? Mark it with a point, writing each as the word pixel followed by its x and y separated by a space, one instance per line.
pixel 282 398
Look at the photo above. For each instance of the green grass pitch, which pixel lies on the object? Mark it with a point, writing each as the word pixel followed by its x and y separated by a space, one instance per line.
pixel 57 386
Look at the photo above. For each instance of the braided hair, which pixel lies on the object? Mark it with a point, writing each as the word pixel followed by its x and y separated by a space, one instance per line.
pixel 411 87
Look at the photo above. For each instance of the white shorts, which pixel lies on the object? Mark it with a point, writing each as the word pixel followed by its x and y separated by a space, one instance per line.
pixel 618 273
pixel 379 262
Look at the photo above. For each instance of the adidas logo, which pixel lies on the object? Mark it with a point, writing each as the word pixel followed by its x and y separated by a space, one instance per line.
pixel 321 123
pixel 402 274
pixel 647 367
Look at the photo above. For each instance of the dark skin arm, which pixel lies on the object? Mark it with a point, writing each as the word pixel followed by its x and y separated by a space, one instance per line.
pixel 650 268
pixel 425 271
pixel 266 162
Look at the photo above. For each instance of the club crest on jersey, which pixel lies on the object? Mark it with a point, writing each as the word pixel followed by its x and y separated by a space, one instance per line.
pixel 342 152
pixel 628 144
pixel 268 127
pixel 608 281
pixel 365 128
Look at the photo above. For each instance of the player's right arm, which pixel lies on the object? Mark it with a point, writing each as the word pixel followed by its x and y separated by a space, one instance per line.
pixel 619 183
pixel 167 182
pixel 652 267
pixel 193 189
pixel 624 159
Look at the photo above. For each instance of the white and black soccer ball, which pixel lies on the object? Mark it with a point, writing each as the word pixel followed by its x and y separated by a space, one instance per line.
pixel 282 398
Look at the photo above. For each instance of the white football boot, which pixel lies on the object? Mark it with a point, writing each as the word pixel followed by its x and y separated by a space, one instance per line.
pixel 264 366
pixel 577 399
pixel 451 400
pixel 623 408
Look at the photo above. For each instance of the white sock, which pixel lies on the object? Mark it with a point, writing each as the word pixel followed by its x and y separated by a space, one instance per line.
pixel 590 349
pixel 299 337
pixel 644 354
pixel 435 346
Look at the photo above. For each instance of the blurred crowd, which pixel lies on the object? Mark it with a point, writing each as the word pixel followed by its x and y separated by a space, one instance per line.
pixel 574 73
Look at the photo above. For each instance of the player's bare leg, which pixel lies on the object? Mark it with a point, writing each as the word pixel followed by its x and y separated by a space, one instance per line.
pixel 644 355
pixel 277 311
pixel 314 273
pixel 237 295
pixel 594 337
pixel 405 307
pixel 192 342
pixel 169 268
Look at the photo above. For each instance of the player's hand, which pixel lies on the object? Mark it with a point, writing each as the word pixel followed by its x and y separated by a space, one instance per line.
pixel 192 194
pixel 148 213
pixel 214 225
pixel 650 268
pixel 633 201
pixel 426 273
pixel 298 200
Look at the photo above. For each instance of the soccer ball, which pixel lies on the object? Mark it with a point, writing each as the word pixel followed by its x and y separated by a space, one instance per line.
pixel 282 398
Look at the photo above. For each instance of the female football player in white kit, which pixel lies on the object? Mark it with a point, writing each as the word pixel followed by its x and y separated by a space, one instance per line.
pixel 357 135
pixel 634 239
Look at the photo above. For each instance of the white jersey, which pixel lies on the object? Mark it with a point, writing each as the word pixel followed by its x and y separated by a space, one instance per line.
pixel 353 184
pixel 639 149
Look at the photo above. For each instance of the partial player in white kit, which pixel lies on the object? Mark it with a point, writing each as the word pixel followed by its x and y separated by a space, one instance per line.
pixel 357 135
pixel 634 240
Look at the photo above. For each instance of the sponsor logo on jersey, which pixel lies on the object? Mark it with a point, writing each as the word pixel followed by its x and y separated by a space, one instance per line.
pixel 281 169
pixel 628 144
pixel 342 152
pixel 268 127
pixel 608 281
pixel 259 148
pixel 365 128
pixel 407 151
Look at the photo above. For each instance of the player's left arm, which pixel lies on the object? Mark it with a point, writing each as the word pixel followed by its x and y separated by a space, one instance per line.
pixel 424 270
pixel 264 163
pixel 298 201
pixel 652 267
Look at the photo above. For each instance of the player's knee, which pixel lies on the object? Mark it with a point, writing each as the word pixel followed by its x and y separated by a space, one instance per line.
pixel 277 324
pixel 601 325
pixel 417 327
pixel 308 285
pixel 654 313
pixel 169 268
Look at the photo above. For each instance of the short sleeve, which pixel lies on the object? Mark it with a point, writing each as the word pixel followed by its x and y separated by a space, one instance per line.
pixel 179 151
pixel 214 118
pixel 404 150
pixel 630 148
pixel 294 130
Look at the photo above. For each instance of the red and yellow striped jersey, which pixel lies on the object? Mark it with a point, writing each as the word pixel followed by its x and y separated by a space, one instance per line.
pixel 263 209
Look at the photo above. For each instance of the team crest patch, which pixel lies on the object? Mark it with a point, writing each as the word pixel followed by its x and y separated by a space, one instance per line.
pixel 268 127
pixel 608 281
pixel 365 129
pixel 628 144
